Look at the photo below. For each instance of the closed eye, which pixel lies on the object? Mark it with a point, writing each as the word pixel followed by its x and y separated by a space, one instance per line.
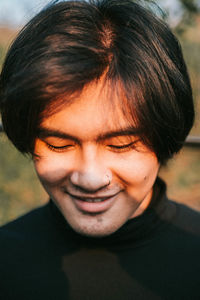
pixel 124 147
pixel 58 148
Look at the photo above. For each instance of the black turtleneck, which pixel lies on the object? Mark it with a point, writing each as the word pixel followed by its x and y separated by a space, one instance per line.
pixel 153 256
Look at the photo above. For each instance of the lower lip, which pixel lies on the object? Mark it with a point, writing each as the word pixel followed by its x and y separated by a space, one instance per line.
pixel 94 207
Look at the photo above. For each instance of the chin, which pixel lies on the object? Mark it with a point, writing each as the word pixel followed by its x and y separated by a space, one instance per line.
pixel 97 230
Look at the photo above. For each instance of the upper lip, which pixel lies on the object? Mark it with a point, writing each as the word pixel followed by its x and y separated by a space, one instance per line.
pixel 84 197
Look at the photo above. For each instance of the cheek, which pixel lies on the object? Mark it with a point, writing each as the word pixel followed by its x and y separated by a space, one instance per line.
pixel 137 169
pixel 51 171
pixel 50 167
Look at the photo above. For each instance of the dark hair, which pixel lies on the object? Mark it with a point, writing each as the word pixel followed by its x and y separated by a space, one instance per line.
pixel 72 43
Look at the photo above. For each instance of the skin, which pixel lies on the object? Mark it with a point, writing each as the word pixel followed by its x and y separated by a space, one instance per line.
pixel 87 153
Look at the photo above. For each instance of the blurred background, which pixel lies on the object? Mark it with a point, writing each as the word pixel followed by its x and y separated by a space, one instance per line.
pixel 20 190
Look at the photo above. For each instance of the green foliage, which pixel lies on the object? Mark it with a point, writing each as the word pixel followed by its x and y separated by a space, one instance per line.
pixel 20 189
pixel 2 54
pixel 191 6
pixel 190 11
pixel 190 42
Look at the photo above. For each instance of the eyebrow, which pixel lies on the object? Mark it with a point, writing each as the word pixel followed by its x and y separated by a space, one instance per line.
pixel 48 132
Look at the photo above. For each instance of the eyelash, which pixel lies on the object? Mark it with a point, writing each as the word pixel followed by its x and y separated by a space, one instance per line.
pixel 123 147
pixel 114 148
pixel 58 148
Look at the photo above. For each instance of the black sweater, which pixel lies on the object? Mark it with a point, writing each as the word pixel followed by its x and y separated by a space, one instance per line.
pixel 153 256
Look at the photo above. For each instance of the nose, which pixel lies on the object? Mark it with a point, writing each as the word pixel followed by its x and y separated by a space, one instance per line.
pixel 91 175
pixel 89 182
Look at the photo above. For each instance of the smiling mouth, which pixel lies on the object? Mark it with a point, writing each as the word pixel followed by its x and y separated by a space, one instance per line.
pixel 93 204
pixel 92 199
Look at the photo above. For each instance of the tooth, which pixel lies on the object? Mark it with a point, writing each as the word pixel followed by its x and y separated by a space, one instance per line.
pixel 97 200
pixel 89 200
pixel 94 200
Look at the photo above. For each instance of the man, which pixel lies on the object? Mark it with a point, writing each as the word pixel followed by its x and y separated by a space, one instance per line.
pixel 98 93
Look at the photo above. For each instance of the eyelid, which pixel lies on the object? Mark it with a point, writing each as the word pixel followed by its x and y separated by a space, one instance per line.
pixel 123 142
pixel 123 146
pixel 58 148
pixel 52 141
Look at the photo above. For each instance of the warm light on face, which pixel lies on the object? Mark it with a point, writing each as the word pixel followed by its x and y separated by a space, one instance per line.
pixel 93 165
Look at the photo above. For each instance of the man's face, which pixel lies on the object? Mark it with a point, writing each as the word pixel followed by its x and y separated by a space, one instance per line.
pixel 95 170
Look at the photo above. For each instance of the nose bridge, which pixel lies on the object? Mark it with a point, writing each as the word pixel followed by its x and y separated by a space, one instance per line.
pixel 91 172
pixel 92 159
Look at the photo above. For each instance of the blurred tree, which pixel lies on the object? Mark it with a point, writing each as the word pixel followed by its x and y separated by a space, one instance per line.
pixel 191 10
pixel 192 6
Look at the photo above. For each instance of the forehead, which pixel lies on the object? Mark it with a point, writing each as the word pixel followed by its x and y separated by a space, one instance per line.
pixel 96 110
